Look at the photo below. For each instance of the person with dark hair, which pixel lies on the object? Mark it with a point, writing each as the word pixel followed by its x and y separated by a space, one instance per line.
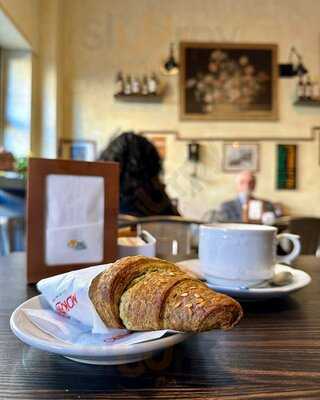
pixel 141 191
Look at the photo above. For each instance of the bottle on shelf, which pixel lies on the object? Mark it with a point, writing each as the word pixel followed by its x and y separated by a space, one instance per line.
pixel 128 85
pixel 153 84
pixel 136 86
pixel 120 83
pixel 301 95
pixel 144 85
pixel 308 89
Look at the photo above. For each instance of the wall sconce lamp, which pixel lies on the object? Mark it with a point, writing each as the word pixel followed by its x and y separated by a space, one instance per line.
pixel 170 66
pixel 295 67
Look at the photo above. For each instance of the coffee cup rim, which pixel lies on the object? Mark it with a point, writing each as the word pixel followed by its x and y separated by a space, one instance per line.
pixel 239 227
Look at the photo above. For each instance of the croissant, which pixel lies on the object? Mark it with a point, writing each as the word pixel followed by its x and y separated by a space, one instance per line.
pixel 141 293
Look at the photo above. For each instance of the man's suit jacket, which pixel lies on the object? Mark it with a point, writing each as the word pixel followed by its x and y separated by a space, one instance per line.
pixel 231 211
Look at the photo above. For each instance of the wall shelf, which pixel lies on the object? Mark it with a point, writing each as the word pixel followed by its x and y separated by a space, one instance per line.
pixel 307 103
pixel 139 98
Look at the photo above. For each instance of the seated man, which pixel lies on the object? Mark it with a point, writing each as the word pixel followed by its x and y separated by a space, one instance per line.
pixel 237 210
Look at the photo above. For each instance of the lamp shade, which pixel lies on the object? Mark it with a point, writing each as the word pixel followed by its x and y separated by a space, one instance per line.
pixel 170 66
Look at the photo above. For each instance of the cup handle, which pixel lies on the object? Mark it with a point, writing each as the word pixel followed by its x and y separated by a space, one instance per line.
pixel 295 240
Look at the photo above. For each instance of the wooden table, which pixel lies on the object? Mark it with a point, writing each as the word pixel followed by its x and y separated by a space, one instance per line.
pixel 273 354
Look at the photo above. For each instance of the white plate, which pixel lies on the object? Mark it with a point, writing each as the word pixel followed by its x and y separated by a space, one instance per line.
pixel 30 334
pixel 300 280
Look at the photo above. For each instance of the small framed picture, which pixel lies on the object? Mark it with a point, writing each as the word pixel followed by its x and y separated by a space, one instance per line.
pixel 81 150
pixel 159 139
pixel 287 166
pixel 239 156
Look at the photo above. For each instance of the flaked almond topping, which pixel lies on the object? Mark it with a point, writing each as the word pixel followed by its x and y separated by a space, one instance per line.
pixel 197 295
pixel 189 311
pixel 201 304
pixel 184 294
pixel 178 304
pixel 171 273
pixel 193 287
pixel 189 305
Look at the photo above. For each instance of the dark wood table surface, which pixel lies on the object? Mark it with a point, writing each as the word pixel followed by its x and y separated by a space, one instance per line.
pixel 273 354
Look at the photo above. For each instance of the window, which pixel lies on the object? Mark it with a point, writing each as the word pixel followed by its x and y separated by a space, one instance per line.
pixel 15 122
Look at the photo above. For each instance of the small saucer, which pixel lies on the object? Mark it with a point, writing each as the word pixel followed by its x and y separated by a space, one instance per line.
pixel 299 281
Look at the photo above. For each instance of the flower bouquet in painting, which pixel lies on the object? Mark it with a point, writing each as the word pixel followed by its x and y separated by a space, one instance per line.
pixel 227 82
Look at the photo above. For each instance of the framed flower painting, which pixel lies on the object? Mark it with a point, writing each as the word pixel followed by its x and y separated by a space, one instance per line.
pixel 228 81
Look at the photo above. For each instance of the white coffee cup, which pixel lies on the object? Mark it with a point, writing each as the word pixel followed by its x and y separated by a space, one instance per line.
pixel 238 255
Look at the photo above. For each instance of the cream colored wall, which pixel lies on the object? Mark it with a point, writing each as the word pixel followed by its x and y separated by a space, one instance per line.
pixel 10 37
pixel 25 15
pixel 49 76
pixel 102 37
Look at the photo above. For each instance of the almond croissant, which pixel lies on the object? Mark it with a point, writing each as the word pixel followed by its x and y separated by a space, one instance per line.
pixel 141 293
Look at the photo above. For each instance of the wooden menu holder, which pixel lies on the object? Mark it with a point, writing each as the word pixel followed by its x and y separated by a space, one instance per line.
pixel 39 169
pixel 247 212
pixel 256 208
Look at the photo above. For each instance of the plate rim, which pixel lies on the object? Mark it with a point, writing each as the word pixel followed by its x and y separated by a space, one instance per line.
pixel 96 351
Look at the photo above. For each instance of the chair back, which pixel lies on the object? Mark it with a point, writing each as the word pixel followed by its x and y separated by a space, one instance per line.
pixel 174 235
pixel 12 234
pixel 308 228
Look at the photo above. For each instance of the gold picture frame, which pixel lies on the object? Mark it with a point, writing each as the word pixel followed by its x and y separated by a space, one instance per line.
pixel 159 140
pixel 228 81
